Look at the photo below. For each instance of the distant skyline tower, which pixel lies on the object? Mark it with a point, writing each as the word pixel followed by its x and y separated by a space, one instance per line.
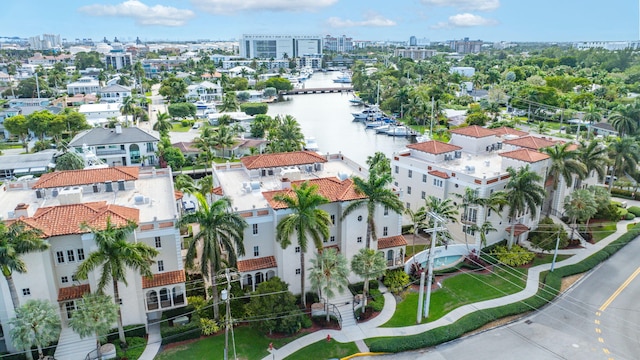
pixel 413 41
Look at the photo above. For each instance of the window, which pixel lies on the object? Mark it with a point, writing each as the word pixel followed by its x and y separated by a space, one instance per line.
pixel 423 195
pixel 325 240
pixel 397 169
pixel 80 253
pixel 74 277
pixel 70 306
pixel 150 147
pixel 332 239
pixel 385 231
pixel 255 229
pixel 359 239
pixel 26 291
pixel 408 205
pixel 333 219
pixel 64 279
pixel 298 271
pixel 256 251
pixel 437 182
pixel 408 190
pixel 60 257
pixel 158 241
pixel 424 178
pixel 70 256
pixel 359 217
pixel 297 249
pixel 160 265
pixel 386 211
pixel 410 173
pixel 470 230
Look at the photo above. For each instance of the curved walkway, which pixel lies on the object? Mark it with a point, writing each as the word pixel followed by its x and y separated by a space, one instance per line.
pixel 372 327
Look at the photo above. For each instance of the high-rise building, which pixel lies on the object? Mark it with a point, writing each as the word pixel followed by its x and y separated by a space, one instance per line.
pixel 338 44
pixel 279 46
pixel 48 41
pixel 466 46
pixel 413 41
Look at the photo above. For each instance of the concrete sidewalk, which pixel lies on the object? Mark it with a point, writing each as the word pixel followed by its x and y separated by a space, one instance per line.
pixel 372 328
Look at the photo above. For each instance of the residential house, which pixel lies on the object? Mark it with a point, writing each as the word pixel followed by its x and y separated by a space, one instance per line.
pixel 205 91
pixel 114 93
pixel 59 203
pixel 252 185
pixel 84 85
pixel 119 146
pixel 99 114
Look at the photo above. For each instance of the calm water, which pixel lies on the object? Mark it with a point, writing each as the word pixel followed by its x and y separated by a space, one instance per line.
pixel 327 117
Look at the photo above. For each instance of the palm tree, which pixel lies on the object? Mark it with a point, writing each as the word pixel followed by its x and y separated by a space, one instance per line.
pixel 229 102
pixel 626 118
pixel 470 202
pixel 114 254
pixel 287 136
pixel 127 108
pixel 163 123
pixel 17 240
pixel 94 317
pixel 484 229
pixel 418 221
pixel 375 192
pixel 524 192
pixel 564 164
pixel 624 153
pixel 305 220
pixel 443 208
pixel 206 144
pixel 223 137
pixel 591 115
pixel 185 183
pixel 221 230
pixel 36 323
pixel 594 157
pixel 369 265
pixel 329 271
pixel 580 206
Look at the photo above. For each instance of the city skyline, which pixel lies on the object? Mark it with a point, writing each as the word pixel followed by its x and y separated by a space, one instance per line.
pixel 438 20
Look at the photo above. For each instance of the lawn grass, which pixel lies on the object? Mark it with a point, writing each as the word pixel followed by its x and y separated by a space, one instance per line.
pixel 600 231
pixel 414 249
pixel 250 344
pixel 136 346
pixel 324 350
pixel 4 146
pixel 631 225
pixel 177 127
pixel 547 258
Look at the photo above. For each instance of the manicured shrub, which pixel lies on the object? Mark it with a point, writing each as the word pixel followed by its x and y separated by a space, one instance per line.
pixel 135 330
pixel 629 216
pixel 306 322
pixel 254 108
pixel 616 203
pixel 609 212
pixel 171 334
pixel 517 256
pixel 544 237
pixel 209 326
pixel 622 212
pixel 376 303
pixel 635 210
pixel 625 194
pixel 396 280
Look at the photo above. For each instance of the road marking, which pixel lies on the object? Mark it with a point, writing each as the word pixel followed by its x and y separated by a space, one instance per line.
pixel 601 340
pixel 606 351
pixel 597 322
pixel 619 290
pixel 598 330
pixel 598 313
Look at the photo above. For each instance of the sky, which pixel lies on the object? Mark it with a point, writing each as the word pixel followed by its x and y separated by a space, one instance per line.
pixel 436 20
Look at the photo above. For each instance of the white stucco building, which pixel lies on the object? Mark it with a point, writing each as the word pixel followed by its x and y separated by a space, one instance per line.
pixel 84 85
pixel 205 91
pixel 119 146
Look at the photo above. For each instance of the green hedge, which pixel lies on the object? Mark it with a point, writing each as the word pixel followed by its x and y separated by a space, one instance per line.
pixel 254 108
pixel 629 216
pixel 549 288
pixel 625 194
pixel 171 334
pixel 135 330
pixel 635 210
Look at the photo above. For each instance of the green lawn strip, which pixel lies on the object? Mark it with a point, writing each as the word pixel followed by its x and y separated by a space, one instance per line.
pixel 602 230
pixel 136 346
pixel 177 127
pixel 631 225
pixel 4 146
pixel 250 344
pixel 549 289
pixel 324 350
pixel 547 258
pixel 414 249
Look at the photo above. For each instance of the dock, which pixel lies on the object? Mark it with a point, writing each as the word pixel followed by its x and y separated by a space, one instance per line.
pixel 302 91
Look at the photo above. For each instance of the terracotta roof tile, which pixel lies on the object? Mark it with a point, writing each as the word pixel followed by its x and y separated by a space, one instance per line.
pixel 257 264
pixel 518 229
pixel 178 194
pixel 332 188
pixel 165 278
pixel 67 219
pixel 526 155
pixel 217 191
pixel 440 174
pixel 532 142
pixel 502 131
pixel 87 176
pixel 474 131
pixel 393 241
pixel 186 147
pixel 434 147
pixel 73 292
pixel 282 159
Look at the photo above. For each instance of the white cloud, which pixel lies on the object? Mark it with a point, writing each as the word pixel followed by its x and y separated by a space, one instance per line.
pixel 141 13
pixel 231 6
pixel 482 5
pixel 369 20
pixel 465 20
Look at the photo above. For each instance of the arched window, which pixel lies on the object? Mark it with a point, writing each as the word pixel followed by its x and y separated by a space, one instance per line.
pixel 178 296
pixel 152 300
pixel 165 301
pixel 390 257
pixel 259 278
pixel 134 153
pixel 248 281
pixel 270 274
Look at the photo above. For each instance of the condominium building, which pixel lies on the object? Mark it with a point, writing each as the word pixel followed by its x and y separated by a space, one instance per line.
pixel 59 203
pixel 338 44
pixel 466 46
pixel 476 158
pixel 279 46
pixel 414 53
pixel 252 186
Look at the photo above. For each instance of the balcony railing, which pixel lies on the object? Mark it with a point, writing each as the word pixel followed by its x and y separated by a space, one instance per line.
pixel 395 262
pixel 110 152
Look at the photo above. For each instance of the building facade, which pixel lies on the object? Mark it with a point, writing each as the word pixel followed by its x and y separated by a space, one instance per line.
pixel 84 85
pixel 466 46
pixel 414 53
pixel 279 46
pixel 117 147
pixel 338 44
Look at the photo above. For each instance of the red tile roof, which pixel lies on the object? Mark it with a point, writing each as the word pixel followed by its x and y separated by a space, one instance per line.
pixel 393 241
pixel 518 229
pixel 165 278
pixel 434 147
pixel 502 131
pixel 186 147
pixel 257 264
pixel 178 194
pixel 68 219
pixel 531 142
pixel 526 155
pixel 217 191
pixel 87 176
pixel 332 188
pixel 440 174
pixel 474 131
pixel 73 292
pixel 282 159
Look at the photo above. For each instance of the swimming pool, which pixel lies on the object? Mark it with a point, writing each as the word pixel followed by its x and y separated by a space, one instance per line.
pixel 443 261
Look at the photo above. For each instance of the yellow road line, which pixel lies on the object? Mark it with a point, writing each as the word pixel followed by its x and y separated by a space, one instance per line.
pixel 597 322
pixel 619 290
pixel 601 340
pixel 598 330
pixel 606 351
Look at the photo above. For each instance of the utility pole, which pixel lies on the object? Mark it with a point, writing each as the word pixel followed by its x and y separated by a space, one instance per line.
pixel 226 296
pixel 437 220
pixel 431 128
pixel 555 253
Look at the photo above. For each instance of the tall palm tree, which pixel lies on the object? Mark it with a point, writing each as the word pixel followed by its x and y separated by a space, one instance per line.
pixel 523 192
pixel 185 183
pixel 580 205
pixel 36 323
pixel 163 123
pixel 418 221
pixel 229 102
pixel 16 240
pixel 564 164
pixel 221 230
pixel 470 202
pixel 594 157
pixel 206 144
pixel 329 271
pixel 127 108
pixel 223 137
pixel 376 193
pixel 444 208
pixel 369 265
pixel 624 153
pixel 626 118
pixel 287 136
pixel 114 254
pixel 591 115
pixel 305 220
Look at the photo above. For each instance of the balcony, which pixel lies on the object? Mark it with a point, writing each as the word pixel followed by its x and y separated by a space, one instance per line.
pixel 110 152
pixel 469 220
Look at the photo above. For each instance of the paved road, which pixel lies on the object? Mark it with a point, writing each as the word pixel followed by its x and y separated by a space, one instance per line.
pixel 599 318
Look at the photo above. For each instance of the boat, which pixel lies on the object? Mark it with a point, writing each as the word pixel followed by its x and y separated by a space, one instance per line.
pixel 374 124
pixel 398 131
pixel 371 113
pixel 202 105
pixel 382 129
pixel 310 144
pixel 356 101
pixel 345 78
